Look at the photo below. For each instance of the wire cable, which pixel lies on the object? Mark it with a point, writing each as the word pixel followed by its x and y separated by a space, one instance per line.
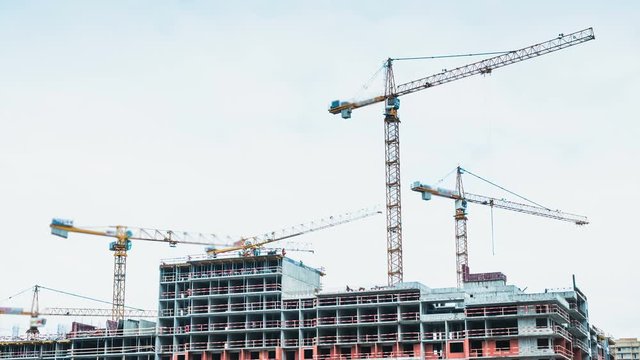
pixel 446 176
pixel 452 55
pixel 500 187
pixel 493 243
pixel 20 293
pixel 85 297
pixel 368 83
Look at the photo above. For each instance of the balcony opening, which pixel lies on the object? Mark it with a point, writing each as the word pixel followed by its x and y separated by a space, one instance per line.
pixel 290 355
pixel 365 351
pixel 387 351
pixel 541 322
pixel 407 350
pixel 543 343
pixel 456 347
pixel 503 345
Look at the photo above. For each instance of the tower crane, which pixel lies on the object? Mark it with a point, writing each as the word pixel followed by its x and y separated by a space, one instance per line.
pixel 124 235
pixel 391 101
pixel 461 199
pixel 36 321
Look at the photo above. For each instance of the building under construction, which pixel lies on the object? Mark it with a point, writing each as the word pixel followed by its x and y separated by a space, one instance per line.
pixel 261 306
pixel 273 307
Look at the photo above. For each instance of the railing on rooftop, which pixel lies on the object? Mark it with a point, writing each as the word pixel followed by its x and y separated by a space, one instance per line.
pixel 367 299
pixel 193 275
pixel 221 290
pixel 534 309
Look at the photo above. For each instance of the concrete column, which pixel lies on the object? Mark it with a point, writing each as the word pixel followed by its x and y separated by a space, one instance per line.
pixel 334 352
pixel 513 344
pixel 396 350
pixel 466 348
pixel 417 350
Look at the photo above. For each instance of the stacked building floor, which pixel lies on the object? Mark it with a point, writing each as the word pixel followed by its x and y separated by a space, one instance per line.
pixel 272 307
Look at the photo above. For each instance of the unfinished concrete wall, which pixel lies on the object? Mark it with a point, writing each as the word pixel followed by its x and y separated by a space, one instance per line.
pixel 299 279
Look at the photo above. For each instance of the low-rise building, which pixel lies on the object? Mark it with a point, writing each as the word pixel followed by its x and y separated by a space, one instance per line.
pixel 626 349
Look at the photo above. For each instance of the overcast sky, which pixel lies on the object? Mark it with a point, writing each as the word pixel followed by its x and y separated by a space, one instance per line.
pixel 212 117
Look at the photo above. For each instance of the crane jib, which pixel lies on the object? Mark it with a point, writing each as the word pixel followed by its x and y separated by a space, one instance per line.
pixel 499 203
pixel 487 65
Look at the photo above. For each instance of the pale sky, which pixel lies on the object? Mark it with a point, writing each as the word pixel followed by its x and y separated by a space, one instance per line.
pixel 212 117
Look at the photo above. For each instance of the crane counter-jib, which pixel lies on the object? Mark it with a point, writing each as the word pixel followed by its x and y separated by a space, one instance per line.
pixel 338 106
pixel 13 311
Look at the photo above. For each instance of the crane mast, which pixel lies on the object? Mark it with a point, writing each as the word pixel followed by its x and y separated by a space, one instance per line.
pixel 36 321
pixel 461 198
pixel 392 172
pixel 462 251
pixel 392 135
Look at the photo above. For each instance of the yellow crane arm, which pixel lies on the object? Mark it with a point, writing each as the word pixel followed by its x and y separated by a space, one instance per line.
pixel 261 240
pixel 77 312
pixel 130 313
pixel 62 228
pixel 346 105
pixel 217 244
pixel 14 311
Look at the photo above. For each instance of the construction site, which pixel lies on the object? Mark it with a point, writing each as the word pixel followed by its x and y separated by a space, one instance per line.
pixel 250 299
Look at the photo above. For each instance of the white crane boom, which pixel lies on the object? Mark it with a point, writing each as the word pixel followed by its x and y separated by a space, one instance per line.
pixel 500 203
